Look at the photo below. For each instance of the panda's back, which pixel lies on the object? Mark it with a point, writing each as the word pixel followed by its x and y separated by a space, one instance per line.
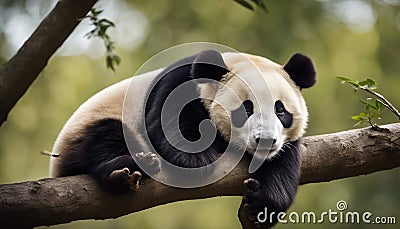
pixel 106 104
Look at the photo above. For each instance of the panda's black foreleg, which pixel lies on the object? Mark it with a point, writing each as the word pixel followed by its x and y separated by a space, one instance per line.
pixel 102 152
pixel 122 174
pixel 272 188
pixel 118 174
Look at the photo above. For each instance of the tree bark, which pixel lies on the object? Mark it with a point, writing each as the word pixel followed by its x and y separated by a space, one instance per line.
pixel 62 200
pixel 22 69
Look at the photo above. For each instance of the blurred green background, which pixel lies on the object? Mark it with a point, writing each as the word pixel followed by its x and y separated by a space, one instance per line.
pixel 350 38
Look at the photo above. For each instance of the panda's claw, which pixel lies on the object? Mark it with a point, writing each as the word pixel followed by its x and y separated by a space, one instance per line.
pixel 150 158
pixel 133 180
pixel 252 184
pixel 150 161
pixel 251 202
pixel 123 177
pixel 119 174
pixel 139 155
pixel 126 170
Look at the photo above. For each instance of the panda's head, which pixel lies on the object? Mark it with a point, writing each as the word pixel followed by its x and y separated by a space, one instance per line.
pixel 256 104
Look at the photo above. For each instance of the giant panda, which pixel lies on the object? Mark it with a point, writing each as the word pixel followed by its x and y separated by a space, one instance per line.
pixel 92 140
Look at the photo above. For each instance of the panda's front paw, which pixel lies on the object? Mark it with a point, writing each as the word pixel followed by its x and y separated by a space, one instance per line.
pixel 254 202
pixel 149 162
pixel 122 179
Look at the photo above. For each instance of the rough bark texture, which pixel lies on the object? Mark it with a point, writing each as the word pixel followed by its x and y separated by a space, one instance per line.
pixel 22 69
pixel 61 200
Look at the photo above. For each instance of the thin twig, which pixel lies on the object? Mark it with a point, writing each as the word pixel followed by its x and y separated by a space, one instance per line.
pixel 386 103
pixel 48 153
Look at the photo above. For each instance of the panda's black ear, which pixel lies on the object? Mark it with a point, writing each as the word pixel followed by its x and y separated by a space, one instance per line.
pixel 209 64
pixel 301 70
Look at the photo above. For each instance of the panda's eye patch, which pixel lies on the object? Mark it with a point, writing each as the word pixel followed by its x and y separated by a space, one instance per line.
pixel 279 108
pixel 248 106
pixel 283 115
pixel 240 115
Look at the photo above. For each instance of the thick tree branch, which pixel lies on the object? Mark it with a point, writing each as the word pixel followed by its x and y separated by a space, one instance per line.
pixel 61 200
pixel 22 69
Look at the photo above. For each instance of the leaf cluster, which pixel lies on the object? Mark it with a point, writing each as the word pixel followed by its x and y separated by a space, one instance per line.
pixel 372 106
pixel 372 110
pixel 365 84
pixel 101 25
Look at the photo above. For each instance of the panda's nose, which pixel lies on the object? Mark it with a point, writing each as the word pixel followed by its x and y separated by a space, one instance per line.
pixel 261 139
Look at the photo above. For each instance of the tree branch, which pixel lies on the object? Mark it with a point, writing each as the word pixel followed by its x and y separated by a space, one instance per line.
pixel 385 102
pixel 22 69
pixel 61 200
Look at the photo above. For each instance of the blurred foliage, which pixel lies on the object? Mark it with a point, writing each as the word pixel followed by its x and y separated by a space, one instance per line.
pixel 338 43
pixel 101 25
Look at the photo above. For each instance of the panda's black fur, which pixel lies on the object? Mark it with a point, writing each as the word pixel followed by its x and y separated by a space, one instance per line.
pixel 274 184
pixel 101 149
pixel 173 76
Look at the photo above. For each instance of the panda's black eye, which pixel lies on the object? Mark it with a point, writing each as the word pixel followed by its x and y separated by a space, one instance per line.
pixel 279 108
pixel 283 115
pixel 240 115
pixel 248 106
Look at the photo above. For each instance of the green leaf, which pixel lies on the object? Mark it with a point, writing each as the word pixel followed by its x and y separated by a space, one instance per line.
pixel 109 63
pixel 363 83
pixel 100 30
pixel 371 82
pixel 245 4
pixel 349 81
pixel 95 12
pixel 90 34
pixel 373 107
pixel 377 105
pixel 343 79
pixel 360 117
pixel 363 102
pixel 107 23
pixel 356 117
pixel 368 109
pixel 112 59
pixel 117 59
pixel 363 114
pixel 367 84
pixel 376 115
